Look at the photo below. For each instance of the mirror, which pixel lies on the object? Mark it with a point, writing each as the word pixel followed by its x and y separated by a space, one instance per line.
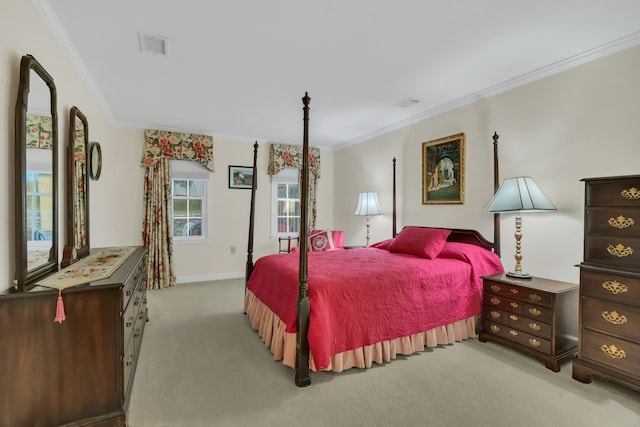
pixel 36 175
pixel 77 244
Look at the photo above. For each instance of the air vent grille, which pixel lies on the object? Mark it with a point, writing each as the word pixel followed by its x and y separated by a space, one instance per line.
pixel 151 43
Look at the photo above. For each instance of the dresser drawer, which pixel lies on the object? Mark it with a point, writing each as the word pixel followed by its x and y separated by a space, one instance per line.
pixel 512 320
pixel 618 221
pixel 517 293
pixel 534 312
pixel 517 336
pixel 613 192
pixel 610 286
pixel 612 352
pixel 611 318
pixel 614 251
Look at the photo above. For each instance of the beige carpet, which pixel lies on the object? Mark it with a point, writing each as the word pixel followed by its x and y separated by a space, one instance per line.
pixel 202 365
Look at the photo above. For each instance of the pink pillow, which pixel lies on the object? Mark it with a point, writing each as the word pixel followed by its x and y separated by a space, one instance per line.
pixel 320 240
pixel 384 245
pixel 423 242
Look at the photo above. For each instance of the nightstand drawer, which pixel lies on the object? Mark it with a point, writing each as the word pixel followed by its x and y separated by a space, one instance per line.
pixel 512 320
pixel 517 336
pixel 611 318
pixel 521 294
pixel 615 353
pixel 612 287
pixel 534 312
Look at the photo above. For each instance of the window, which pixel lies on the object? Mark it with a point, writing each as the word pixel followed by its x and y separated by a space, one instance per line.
pixel 285 202
pixel 189 201
pixel 39 187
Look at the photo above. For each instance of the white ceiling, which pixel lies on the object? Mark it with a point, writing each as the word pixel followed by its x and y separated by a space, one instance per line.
pixel 239 68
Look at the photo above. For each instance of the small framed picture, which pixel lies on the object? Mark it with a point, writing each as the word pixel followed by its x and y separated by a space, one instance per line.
pixel 443 170
pixel 240 176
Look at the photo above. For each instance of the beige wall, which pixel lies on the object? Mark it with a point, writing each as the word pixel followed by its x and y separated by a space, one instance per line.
pixel 576 124
pixel 116 198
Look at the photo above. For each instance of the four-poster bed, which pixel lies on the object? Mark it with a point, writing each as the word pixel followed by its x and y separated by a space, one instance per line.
pixel 421 288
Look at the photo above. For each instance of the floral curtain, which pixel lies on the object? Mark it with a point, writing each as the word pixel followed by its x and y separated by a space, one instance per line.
pixel 80 199
pixel 160 147
pixel 39 132
pixel 283 156
pixel 156 227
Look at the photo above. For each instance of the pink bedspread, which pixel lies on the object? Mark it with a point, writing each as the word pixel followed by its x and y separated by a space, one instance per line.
pixel 363 296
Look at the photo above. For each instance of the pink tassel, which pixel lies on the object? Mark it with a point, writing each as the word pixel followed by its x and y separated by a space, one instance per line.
pixel 59 309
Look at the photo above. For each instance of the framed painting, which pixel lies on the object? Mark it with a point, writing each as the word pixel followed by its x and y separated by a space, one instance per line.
pixel 240 176
pixel 443 170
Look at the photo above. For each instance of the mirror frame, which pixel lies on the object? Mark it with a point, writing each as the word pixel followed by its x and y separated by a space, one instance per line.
pixel 24 278
pixel 73 251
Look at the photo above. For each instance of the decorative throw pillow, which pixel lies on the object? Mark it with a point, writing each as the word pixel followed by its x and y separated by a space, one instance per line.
pixel 423 242
pixel 384 245
pixel 320 240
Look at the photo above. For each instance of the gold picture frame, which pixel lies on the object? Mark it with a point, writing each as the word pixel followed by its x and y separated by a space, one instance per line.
pixel 443 170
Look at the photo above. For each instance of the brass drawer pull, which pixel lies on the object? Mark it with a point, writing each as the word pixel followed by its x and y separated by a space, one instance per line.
pixel 614 317
pixel 495 314
pixel 514 291
pixel 534 342
pixel 613 351
pixel 534 312
pixel 615 287
pixel 513 317
pixel 534 327
pixel 514 305
pixel 514 333
pixel 631 193
pixel 495 301
pixel 621 222
pixel 495 328
pixel 535 297
pixel 495 288
pixel 619 250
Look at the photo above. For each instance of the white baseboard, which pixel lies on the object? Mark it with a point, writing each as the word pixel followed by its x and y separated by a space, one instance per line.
pixel 210 277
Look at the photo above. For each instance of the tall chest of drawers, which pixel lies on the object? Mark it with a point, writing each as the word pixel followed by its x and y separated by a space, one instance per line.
pixel 609 337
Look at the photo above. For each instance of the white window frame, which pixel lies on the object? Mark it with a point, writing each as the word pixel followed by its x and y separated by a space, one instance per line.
pixel 193 171
pixel 286 176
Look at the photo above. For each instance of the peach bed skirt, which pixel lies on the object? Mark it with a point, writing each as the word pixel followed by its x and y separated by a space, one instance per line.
pixel 283 344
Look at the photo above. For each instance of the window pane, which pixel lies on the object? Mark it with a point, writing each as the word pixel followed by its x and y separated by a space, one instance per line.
pixel 282 191
pixel 282 207
pixel 294 225
pixel 179 187
pixel 195 188
pixel 178 226
pixel 293 191
pixel 282 225
pixel 195 207
pixel 192 228
pixel 179 207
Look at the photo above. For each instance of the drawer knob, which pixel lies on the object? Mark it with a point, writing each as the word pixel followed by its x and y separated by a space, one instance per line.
pixel 514 291
pixel 614 317
pixel 615 287
pixel 613 351
pixel 621 222
pixel 619 250
pixel 534 327
pixel 630 193
pixel 495 288
pixel 514 304
pixel 534 311
pixel 513 317
pixel 495 301
pixel 534 342
pixel 495 314
pixel 495 328
pixel 513 333
pixel 535 297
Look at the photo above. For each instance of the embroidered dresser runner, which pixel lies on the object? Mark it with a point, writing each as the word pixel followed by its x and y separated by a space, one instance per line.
pixel 97 266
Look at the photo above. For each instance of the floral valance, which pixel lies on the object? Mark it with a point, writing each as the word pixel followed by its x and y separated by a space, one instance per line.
pixel 39 132
pixel 283 156
pixel 161 144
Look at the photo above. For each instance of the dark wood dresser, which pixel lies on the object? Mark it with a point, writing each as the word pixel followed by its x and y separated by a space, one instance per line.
pixel 538 316
pixel 610 282
pixel 78 372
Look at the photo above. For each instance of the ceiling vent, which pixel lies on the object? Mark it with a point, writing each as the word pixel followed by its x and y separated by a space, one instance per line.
pixel 150 43
pixel 407 103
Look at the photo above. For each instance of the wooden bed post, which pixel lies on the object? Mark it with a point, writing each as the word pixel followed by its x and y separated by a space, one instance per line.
pixel 393 227
pixel 249 269
pixel 496 185
pixel 302 322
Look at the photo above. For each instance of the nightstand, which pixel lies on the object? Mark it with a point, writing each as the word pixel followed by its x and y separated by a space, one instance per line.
pixel 538 316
